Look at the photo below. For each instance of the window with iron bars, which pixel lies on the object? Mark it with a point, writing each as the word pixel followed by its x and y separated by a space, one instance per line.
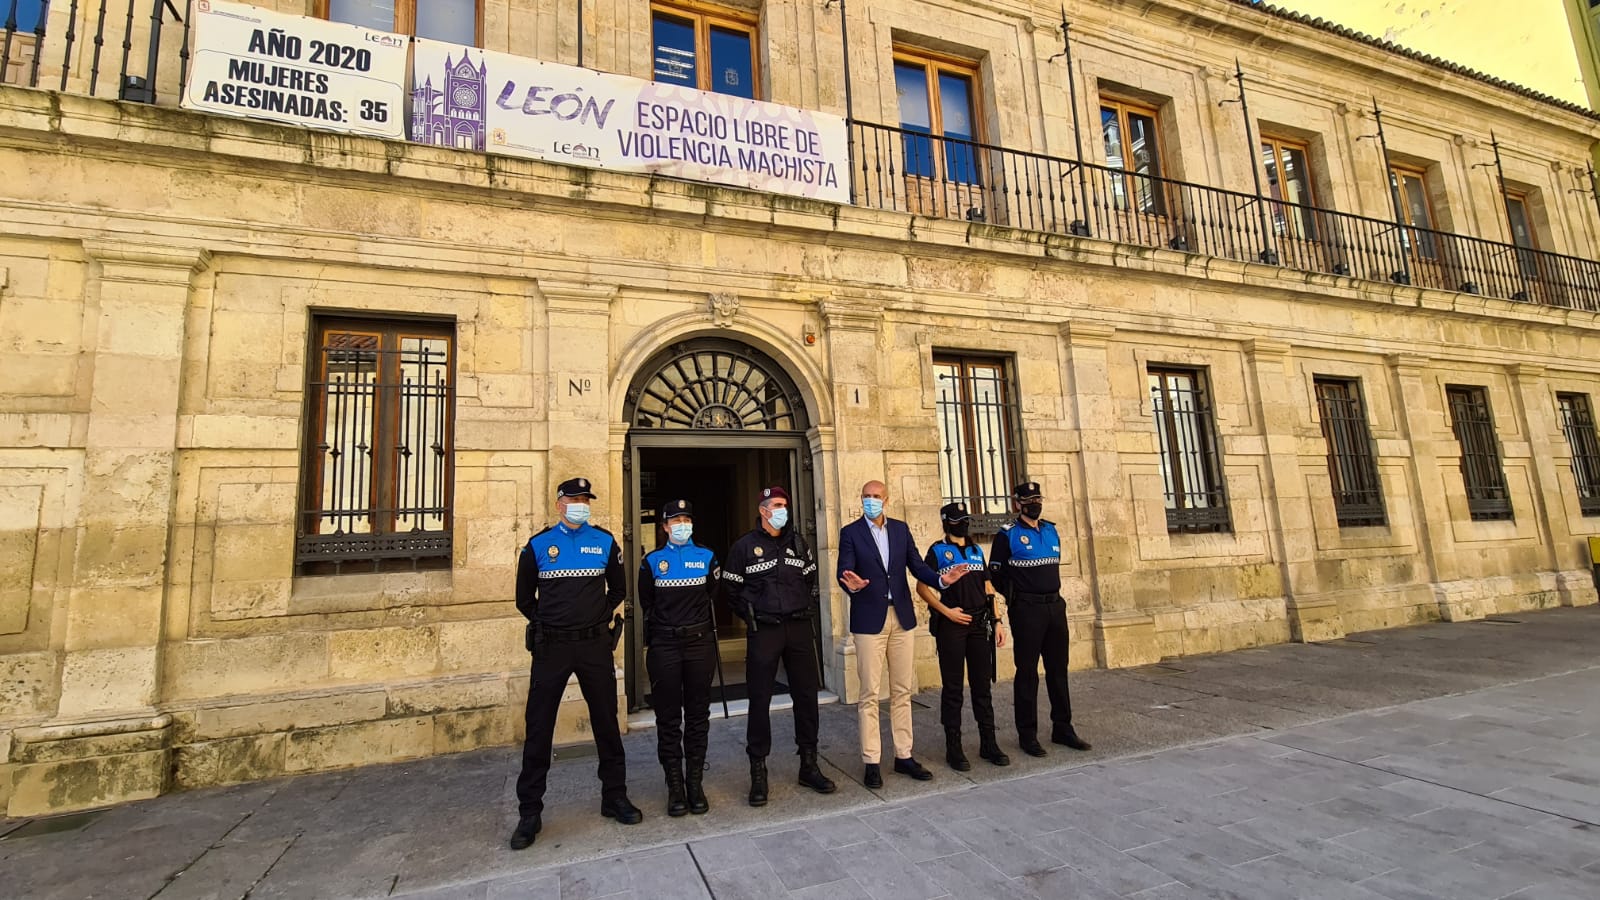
pixel 1488 498
pixel 1357 493
pixel 978 428
pixel 377 474
pixel 1577 420
pixel 1191 471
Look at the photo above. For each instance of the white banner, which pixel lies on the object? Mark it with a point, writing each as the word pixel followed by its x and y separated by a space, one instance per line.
pixel 489 101
pixel 251 62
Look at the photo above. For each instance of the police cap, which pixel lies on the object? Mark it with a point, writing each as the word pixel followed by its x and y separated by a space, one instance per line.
pixel 674 508
pixel 954 512
pixel 1026 490
pixel 575 487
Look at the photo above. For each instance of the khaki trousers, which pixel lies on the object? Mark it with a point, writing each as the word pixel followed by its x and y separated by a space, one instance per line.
pixel 895 646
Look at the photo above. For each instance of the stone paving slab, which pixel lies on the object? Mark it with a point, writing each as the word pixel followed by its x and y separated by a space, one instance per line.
pixel 1215 776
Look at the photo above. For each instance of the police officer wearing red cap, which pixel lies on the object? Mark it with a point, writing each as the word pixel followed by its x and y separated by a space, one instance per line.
pixel 675 583
pixel 1025 566
pixel 569 580
pixel 966 629
pixel 770 578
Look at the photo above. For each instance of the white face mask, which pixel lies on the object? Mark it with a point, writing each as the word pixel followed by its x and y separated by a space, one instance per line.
pixel 577 513
pixel 779 518
pixel 681 532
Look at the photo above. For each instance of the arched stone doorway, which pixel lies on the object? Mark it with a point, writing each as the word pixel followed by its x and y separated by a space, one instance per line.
pixel 711 420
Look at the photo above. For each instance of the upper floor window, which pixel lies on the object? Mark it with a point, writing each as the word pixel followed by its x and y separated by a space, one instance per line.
pixel 938 106
pixel 377 467
pixel 704 47
pixel 1577 420
pixel 977 408
pixel 1133 144
pixel 1357 494
pixel 1190 469
pixel 1481 472
pixel 1521 222
pixel 455 21
pixel 1410 189
pixel 1288 167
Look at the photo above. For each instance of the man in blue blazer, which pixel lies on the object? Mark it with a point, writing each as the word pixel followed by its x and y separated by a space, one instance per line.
pixel 875 552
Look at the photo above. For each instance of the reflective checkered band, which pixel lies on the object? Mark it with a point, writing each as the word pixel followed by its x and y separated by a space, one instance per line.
pixel 571 573
pixel 958 565
pixel 760 567
pixel 796 561
pixel 1033 563
pixel 809 569
pixel 731 576
pixel 682 582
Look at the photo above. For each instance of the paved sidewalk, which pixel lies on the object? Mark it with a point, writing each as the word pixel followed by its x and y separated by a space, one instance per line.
pixel 1483 794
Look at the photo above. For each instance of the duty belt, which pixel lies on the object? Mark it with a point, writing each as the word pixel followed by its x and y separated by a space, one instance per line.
pixel 684 633
pixel 1027 599
pixel 565 636
pixel 778 618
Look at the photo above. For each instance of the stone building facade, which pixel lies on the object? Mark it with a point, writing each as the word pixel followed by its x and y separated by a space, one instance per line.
pixel 1237 451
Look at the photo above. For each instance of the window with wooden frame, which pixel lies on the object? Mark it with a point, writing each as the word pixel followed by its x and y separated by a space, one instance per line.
pixel 1577 421
pixel 1133 145
pixel 980 449
pixel 377 470
pixel 1191 471
pixel 708 47
pixel 1288 168
pixel 455 21
pixel 1352 467
pixel 1411 198
pixel 1484 477
pixel 22 25
pixel 938 100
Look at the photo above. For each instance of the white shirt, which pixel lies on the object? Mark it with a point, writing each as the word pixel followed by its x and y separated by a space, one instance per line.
pixel 880 536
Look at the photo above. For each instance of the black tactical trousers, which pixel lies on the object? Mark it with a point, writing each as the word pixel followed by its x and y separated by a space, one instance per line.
pixel 1040 630
pixel 792 643
pixel 553 663
pixel 964 647
pixel 680 690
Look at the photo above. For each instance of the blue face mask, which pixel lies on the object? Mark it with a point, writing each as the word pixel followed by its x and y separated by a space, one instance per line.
pixel 577 513
pixel 681 532
pixel 872 507
pixel 780 518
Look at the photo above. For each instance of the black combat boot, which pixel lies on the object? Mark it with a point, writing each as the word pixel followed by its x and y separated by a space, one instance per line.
pixel 1067 736
pixel 527 831
pixel 989 748
pixel 677 798
pixel 758 781
pixel 953 754
pixel 694 772
pixel 811 774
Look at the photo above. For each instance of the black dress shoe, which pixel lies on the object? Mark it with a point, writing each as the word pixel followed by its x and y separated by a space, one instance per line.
pixel 910 766
pixel 874 776
pixel 620 809
pixel 1069 738
pixel 527 831
pixel 1031 746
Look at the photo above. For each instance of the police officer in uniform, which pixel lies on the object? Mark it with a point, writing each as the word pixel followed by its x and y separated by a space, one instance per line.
pixel 569 580
pixel 675 584
pixel 966 629
pixel 1025 566
pixel 770 577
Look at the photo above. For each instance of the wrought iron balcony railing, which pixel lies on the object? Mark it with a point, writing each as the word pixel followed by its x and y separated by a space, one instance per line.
pixel 927 175
pixel 138 50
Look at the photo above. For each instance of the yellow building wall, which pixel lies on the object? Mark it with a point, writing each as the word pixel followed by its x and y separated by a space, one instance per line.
pixel 1530 44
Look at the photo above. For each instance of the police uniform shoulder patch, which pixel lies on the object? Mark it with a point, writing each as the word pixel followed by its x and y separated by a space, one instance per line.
pixel 552 551
pixel 663 566
pixel 1006 526
pixel 1025 541
pixel 949 555
pixel 759 552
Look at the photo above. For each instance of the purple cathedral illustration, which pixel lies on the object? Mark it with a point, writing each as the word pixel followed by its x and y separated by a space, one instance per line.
pixel 453 116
